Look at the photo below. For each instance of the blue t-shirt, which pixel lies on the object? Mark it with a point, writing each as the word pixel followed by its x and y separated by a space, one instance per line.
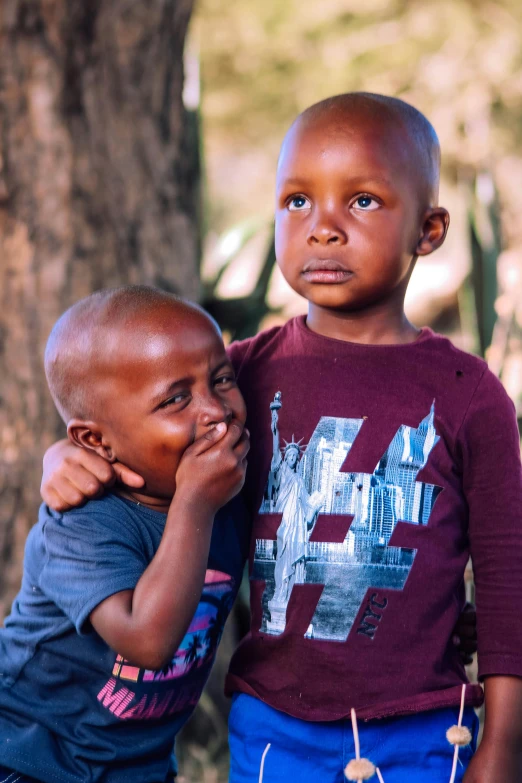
pixel 71 709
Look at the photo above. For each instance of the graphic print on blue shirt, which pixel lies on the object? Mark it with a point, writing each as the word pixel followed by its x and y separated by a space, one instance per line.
pixel 128 693
pixel 305 481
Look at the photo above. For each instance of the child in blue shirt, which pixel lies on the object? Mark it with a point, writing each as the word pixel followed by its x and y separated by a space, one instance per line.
pixel 123 601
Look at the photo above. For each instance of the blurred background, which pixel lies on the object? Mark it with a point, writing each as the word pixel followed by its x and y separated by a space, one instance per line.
pixel 138 143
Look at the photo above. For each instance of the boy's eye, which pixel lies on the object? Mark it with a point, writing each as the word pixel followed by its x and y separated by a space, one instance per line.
pixel 298 203
pixel 176 400
pixel 225 381
pixel 367 203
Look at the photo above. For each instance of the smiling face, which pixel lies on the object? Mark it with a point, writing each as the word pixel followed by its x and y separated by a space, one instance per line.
pixel 350 210
pixel 165 380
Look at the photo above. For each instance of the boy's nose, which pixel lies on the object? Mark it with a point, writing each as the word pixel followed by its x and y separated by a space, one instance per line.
pixel 214 410
pixel 327 232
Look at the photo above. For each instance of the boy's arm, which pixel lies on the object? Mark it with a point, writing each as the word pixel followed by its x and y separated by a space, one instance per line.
pixel 499 757
pixel 489 445
pixel 147 624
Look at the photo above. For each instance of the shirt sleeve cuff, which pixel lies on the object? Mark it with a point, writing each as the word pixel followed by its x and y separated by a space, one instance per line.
pixel 105 591
pixel 499 665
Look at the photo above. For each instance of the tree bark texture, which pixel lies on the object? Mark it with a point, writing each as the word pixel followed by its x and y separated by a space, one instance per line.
pixel 98 187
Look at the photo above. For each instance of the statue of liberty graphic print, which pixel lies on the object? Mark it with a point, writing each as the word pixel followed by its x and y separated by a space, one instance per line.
pixel 286 493
pixel 304 482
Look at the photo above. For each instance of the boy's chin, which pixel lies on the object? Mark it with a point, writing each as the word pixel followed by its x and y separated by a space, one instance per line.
pixel 337 303
pixel 347 302
pixel 160 492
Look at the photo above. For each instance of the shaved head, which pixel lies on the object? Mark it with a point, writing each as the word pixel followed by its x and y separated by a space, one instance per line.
pixel 92 339
pixel 346 113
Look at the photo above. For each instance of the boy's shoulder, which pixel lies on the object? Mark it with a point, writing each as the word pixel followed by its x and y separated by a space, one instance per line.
pixel 465 366
pixel 466 387
pixel 442 345
pixel 445 356
pixel 83 522
pixel 265 342
pixel 107 519
pixel 106 509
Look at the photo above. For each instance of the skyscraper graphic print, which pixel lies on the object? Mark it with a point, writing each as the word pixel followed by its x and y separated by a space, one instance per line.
pixel 305 481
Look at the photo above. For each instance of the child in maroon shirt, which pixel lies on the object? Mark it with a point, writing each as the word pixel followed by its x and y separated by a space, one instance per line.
pixel 382 456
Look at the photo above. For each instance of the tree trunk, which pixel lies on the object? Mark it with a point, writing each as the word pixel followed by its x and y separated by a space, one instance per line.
pixel 98 187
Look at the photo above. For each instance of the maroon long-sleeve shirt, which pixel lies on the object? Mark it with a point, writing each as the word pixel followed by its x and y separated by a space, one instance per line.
pixel 374 472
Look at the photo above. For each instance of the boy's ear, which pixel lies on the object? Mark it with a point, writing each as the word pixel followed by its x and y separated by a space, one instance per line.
pixel 434 229
pixel 87 434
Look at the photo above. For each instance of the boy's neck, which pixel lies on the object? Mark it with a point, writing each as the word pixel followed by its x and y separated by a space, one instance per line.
pixel 156 504
pixel 369 326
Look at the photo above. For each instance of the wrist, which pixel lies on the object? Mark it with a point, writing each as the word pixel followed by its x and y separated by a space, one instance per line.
pixel 198 507
pixel 494 762
pixel 503 714
pixel 507 741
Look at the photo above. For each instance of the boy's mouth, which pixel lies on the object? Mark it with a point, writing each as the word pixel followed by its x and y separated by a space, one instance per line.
pixel 326 271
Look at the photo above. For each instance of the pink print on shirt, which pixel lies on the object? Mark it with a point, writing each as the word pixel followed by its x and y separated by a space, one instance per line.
pixel 139 694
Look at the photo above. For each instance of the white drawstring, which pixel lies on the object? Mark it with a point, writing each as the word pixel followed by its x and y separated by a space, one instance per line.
pixel 262 767
pixel 359 769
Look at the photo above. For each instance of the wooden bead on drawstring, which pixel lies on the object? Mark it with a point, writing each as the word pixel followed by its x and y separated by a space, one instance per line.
pixel 459 735
pixel 359 769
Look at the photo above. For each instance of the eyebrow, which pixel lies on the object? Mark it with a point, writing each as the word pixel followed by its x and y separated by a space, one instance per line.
pixel 379 181
pixel 303 183
pixel 294 181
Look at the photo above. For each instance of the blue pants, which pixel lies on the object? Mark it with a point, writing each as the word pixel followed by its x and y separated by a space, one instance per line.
pixel 407 749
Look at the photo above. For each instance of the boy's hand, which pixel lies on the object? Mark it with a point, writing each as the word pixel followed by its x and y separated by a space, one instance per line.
pixel 212 470
pixel 465 634
pixel 72 475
